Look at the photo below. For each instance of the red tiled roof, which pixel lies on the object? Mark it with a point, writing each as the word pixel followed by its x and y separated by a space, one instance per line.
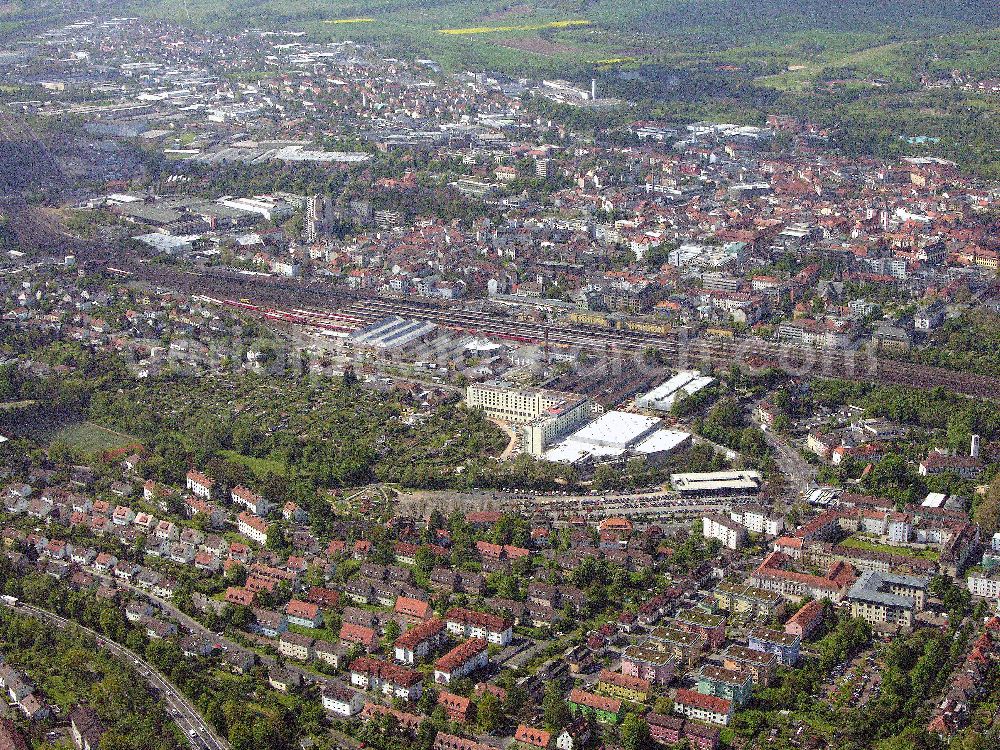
pixel 412 608
pixel 389 672
pixel 531 736
pixel 492 623
pixel 459 655
pixel 412 638
pixel 299 608
pixel 707 702
pixel 597 702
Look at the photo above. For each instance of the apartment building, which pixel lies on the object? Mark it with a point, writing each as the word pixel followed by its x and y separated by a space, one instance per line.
pixel 463 659
pixel 888 601
pixel 707 708
pixel 468 623
pixel 727 531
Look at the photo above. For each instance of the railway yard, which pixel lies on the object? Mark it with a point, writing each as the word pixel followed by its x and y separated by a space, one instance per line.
pixel 323 308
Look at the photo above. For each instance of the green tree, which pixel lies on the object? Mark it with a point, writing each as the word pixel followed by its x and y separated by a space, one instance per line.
pixel 276 537
pixel 634 732
pixel 489 713
pixel 554 709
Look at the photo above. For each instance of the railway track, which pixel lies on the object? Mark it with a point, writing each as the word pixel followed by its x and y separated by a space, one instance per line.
pixel 311 301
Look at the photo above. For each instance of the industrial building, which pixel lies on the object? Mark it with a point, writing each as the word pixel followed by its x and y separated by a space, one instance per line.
pixel 663 397
pixel 717 483
pixel 615 435
pixel 391 333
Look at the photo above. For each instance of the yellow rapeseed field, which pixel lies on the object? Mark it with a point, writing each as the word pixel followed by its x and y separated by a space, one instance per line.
pixel 517 27
pixel 351 20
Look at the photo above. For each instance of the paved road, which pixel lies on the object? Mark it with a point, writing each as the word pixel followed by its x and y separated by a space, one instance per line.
pixel 197 731
pixel 193 626
pixel 800 474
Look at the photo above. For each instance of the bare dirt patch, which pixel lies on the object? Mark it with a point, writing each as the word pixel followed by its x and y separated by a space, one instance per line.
pixel 513 11
pixel 538 46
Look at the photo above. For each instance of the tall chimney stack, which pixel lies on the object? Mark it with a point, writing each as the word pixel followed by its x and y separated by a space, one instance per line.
pixel 593 89
pixel 974 448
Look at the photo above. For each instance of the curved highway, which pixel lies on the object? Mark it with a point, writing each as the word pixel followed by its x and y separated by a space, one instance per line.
pixel 196 729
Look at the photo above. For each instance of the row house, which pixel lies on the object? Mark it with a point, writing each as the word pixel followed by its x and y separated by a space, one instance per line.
pixel 458 582
pixel 773 575
pixel 341 701
pixel 412 611
pixel 469 623
pixel 601 709
pixel 360 590
pixel 747 602
pixel 303 614
pixel 376 620
pixel 729 532
pixel 333 654
pixel 295 646
pixel 530 738
pixel 457 707
pixel 323 598
pixel 86 728
pixel 200 485
pixel 199 506
pixel 783 645
pixel 419 642
pixel 269 623
pixel 351 634
pixel 395 573
pixel 157 629
pixel 462 660
pixel 250 501
pixel 239 596
pixel 252 527
pixel 502 553
pixel 391 680
pixel 670 730
pixel 556 596
pixel 707 708
pixel 407 722
pixel 686 646
pixel 733 685
pixel 761 665
pixel 805 620
pixel 712 627
pixel 445 741
pixel 623 686
pixel 649 661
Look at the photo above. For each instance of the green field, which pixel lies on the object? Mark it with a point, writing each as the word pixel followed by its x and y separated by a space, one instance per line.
pixel 89 438
pixel 259 466
pixel 858 542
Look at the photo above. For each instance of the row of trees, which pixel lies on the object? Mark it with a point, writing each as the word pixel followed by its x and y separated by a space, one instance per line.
pixel 265 722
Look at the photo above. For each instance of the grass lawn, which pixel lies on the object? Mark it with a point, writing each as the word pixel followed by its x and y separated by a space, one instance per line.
pixel 88 437
pixel 259 466
pixel 856 542
pixel 322 634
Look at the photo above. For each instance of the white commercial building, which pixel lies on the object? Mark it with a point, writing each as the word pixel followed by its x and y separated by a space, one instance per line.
pixel 509 403
pixel 271 209
pixel 613 436
pixel 717 483
pixel 663 397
